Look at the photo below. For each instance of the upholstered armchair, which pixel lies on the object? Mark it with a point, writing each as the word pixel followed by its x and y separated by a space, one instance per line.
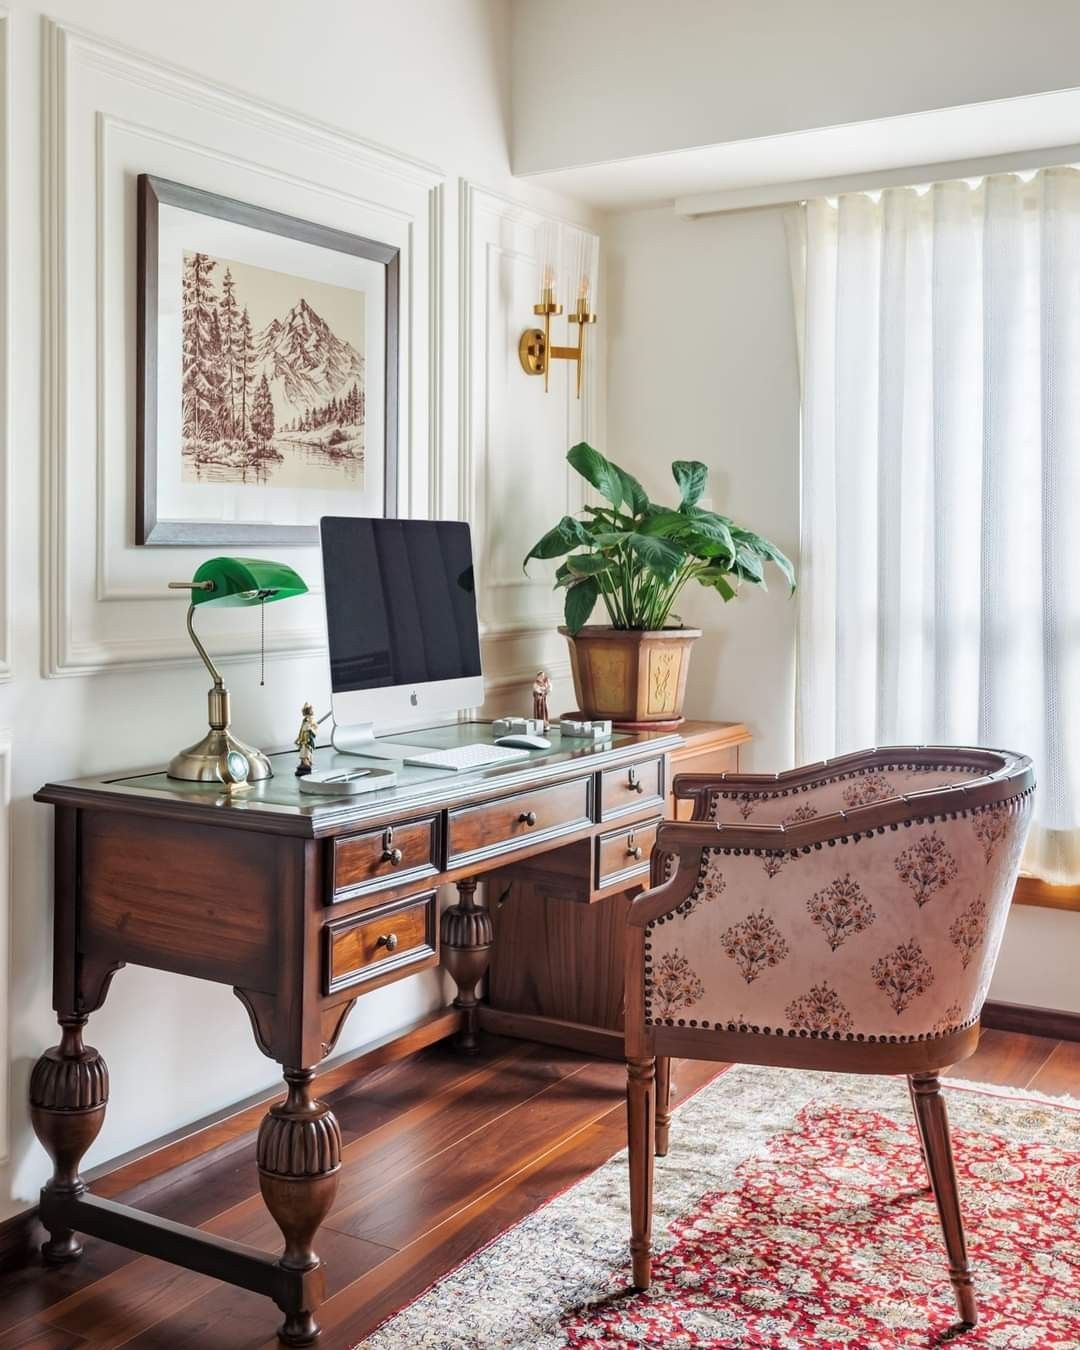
pixel 844 916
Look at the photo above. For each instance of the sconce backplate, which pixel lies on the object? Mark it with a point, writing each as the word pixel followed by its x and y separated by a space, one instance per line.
pixel 532 351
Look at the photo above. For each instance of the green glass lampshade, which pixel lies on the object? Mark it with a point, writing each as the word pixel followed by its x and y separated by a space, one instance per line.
pixel 244 581
pixel 228 581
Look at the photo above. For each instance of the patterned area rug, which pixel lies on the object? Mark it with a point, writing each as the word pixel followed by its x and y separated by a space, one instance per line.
pixel 790 1213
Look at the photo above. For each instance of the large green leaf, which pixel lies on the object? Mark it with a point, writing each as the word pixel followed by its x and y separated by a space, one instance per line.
pixel 712 538
pixel 634 495
pixel 580 603
pixel 691 476
pixel 786 566
pixel 600 472
pixel 665 523
pixel 749 566
pixel 588 564
pixel 663 557
pixel 568 534
pixel 607 518
pixel 717 579
pixel 703 534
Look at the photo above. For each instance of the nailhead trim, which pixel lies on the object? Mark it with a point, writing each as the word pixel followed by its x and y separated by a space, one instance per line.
pixel 790 1033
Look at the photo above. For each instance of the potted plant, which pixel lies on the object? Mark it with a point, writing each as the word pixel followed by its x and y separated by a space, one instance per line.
pixel 636 558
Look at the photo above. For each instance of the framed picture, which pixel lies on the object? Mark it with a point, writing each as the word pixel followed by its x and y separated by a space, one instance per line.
pixel 267 372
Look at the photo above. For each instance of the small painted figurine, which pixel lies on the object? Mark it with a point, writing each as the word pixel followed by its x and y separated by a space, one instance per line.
pixel 541 690
pixel 305 740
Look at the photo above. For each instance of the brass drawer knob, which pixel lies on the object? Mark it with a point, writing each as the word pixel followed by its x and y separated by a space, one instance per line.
pixel 633 850
pixel 389 941
pixel 390 854
pixel 633 782
pixel 527 818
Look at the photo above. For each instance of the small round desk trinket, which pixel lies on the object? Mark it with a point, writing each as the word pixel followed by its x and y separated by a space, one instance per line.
pixel 234 769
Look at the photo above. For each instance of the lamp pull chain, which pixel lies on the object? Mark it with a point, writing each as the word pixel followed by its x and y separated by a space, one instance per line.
pixel 262 641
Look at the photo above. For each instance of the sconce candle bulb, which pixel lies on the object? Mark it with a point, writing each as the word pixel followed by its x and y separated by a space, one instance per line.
pixel 535 349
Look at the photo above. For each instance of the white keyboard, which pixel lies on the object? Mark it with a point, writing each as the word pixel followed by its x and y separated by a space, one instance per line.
pixel 461 757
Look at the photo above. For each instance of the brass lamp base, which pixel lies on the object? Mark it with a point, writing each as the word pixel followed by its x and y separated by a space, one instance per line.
pixel 203 761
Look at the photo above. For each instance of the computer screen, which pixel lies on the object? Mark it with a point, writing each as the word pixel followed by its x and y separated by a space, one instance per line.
pixel 400 602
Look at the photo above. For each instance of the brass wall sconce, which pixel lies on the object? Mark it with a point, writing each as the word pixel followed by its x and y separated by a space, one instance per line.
pixel 536 351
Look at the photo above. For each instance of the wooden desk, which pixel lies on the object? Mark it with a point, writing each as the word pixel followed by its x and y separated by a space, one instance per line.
pixel 301 904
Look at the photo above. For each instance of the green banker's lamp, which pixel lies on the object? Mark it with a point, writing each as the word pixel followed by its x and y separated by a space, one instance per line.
pixel 220 756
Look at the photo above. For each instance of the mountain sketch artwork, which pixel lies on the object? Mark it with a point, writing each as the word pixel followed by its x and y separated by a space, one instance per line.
pixel 272 377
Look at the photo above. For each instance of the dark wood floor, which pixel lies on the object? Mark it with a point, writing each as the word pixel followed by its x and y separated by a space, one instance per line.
pixel 440 1156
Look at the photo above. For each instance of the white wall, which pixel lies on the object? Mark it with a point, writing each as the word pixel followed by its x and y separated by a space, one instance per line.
pixel 1039 959
pixel 616 78
pixel 94 686
pixel 702 365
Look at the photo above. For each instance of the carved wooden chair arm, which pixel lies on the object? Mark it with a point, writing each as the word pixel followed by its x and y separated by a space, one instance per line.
pixel 844 782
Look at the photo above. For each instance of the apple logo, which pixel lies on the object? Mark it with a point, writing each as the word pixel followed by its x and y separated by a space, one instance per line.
pixel 414 700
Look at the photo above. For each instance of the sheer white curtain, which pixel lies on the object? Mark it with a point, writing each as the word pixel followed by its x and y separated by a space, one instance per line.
pixel 940 591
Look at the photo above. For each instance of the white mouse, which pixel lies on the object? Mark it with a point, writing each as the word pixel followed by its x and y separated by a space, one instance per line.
pixel 522 742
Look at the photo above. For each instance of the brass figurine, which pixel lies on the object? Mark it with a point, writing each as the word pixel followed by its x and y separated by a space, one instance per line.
pixel 305 740
pixel 540 691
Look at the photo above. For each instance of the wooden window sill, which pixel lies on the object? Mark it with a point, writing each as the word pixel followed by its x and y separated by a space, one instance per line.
pixel 1033 891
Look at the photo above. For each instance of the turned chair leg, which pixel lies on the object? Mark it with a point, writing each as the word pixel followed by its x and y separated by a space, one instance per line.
pixel 641 1131
pixel 934 1131
pixel 919 1132
pixel 663 1104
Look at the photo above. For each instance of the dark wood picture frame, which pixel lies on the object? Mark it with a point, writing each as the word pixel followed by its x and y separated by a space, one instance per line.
pixel 154 192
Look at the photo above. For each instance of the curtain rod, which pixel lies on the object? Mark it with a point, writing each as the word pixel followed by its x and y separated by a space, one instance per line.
pixel 912 175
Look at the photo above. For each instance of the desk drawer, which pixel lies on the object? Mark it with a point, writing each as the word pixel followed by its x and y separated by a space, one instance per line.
pixel 514 822
pixel 630 789
pixel 381 944
pixel 379 859
pixel 622 855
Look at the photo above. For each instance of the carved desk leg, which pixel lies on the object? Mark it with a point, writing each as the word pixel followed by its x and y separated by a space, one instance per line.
pixel 69 1089
pixel 467 934
pixel 299 1157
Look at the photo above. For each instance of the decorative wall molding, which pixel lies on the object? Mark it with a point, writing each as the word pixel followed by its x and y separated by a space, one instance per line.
pixel 512 478
pixel 523 679
pixel 110 114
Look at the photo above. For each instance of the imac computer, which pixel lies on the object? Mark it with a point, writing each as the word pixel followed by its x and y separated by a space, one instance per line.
pixel 402 631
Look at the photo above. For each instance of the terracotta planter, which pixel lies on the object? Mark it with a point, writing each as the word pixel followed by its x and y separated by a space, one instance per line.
pixel 631 676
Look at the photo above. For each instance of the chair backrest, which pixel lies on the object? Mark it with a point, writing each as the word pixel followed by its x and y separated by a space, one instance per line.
pixel 858 900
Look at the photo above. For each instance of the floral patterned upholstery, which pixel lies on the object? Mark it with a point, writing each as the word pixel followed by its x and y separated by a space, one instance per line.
pixel 883 934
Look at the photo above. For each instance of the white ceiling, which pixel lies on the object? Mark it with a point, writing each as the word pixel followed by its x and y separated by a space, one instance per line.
pixel 1034 130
